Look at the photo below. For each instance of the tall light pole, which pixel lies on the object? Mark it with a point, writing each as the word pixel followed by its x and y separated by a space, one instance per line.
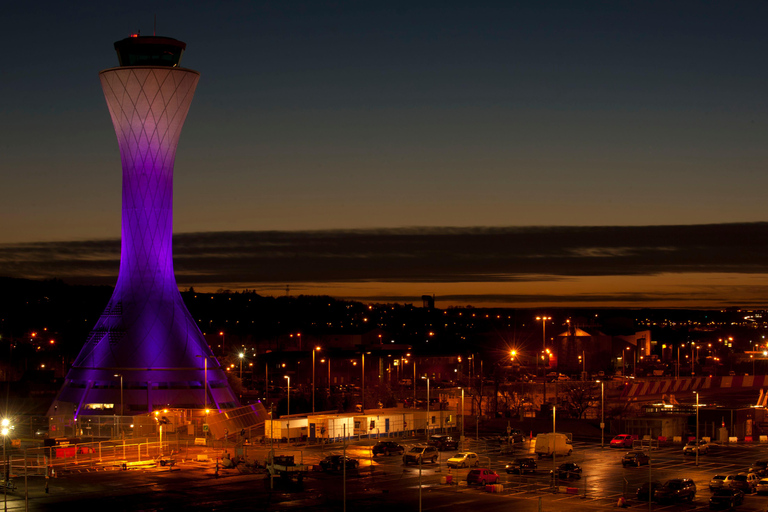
pixel 288 389
pixel 6 429
pixel 462 418
pixel 241 356
pixel 697 427
pixel 362 390
pixel 602 414
pixel 205 372
pixel 543 338
pixel 223 340
pixel 121 399
pixel 426 429
pixel 316 349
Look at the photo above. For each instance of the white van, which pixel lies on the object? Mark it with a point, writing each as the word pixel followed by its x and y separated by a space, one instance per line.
pixel 552 443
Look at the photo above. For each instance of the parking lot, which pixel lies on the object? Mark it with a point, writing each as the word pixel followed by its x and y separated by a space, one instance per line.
pixel 384 481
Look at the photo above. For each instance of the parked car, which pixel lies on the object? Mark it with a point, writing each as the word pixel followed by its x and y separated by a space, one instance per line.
pixel 443 442
pixel 717 482
pixel 726 498
pixel 690 448
pixel 387 448
pixel 745 482
pixel 420 454
pixel 515 435
pixel 676 489
pixel 464 460
pixel 522 465
pixel 642 491
pixel 568 470
pixel 482 476
pixel 622 441
pixel 760 468
pixel 762 486
pixel 635 458
pixel 336 462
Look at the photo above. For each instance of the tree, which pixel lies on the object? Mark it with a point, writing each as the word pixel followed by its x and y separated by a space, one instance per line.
pixel 579 397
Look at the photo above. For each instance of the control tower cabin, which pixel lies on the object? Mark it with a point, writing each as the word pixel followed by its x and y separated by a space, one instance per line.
pixel 145 351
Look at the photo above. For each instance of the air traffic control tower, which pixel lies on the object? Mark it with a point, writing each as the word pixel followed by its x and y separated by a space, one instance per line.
pixel 145 351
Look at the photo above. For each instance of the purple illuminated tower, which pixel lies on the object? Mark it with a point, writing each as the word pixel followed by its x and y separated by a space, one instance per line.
pixel 146 351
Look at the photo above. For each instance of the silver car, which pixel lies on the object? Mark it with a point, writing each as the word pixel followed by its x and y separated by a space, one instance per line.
pixel 717 482
pixel 762 486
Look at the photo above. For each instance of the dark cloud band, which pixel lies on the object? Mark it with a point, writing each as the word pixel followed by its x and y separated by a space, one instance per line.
pixel 428 255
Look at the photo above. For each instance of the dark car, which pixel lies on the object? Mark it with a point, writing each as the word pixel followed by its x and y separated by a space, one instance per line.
pixel 635 459
pixel 745 482
pixel 677 489
pixel 642 491
pixel 443 442
pixel 515 436
pixel 522 465
pixel 420 454
pixel 760 468
pixel 336 462
pixel 568 470
pixel 482 476
pixel 726 498
pixel 387 448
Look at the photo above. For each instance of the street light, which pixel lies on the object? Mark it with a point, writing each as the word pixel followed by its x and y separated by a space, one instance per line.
pixel 697 427
pixel 316 349
pixel 241 356
pixel 121 399
pixel 462 418
pixel 602 414
pixel 6 429
pixel 543 337
pixel 223 340
pixel 205 372
pixel 427 427
pixel 288 408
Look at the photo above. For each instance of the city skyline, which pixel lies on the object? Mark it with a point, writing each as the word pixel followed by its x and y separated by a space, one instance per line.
pixel 633 133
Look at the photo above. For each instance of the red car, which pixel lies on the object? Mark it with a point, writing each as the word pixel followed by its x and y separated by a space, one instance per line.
pixel 622 441
pixel 482 476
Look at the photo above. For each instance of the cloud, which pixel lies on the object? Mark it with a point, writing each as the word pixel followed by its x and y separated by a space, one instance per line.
pixel 416 255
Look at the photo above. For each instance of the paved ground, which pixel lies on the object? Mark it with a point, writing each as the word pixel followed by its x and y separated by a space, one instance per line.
pixel 382 483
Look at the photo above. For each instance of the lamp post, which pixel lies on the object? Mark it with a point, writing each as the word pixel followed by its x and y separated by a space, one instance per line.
pixel 6 429
pixel 362 387
pixel 241 356
pixel 316 349
pixel 697 427
pixel 462 418
pixel 223 340
pixel 288 389
pixel 121 399
pixel 426 429
pixel 205 372
pixel 602 414
pixel 543 338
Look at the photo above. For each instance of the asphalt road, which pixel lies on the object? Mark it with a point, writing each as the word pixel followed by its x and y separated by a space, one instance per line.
pixel 383 483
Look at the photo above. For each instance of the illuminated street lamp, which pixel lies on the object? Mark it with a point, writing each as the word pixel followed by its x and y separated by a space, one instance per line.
pixel 6 429
pixel 543 336
pixel 697 428
pixel 241 356
pixel 288 408
pixel 427 427
pixel 316 349
pixel 121 399
pixel 602 414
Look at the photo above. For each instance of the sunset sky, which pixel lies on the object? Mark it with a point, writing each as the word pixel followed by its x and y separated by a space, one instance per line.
pixel 532 154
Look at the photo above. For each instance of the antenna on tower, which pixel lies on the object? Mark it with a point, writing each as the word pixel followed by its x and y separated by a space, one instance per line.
pixel 154 29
